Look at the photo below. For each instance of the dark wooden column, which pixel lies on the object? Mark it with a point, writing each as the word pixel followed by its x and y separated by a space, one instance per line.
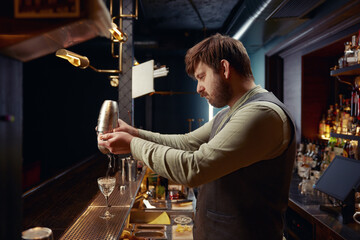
pixel 10 148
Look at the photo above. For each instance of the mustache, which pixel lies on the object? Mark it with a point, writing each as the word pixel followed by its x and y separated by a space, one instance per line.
pixel 203 94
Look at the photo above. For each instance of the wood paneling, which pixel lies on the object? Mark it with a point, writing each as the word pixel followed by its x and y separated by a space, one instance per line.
pixel 318 92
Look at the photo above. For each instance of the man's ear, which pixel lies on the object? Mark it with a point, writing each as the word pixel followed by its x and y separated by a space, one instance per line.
pixel 225 68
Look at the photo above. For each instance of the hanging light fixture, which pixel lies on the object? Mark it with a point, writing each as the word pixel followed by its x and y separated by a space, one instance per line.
pixel 117 33
pixel 73 58
pixel 81 61
pixel 117 36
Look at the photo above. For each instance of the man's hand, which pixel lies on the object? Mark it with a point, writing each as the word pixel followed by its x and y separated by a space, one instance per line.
pixel 124 127
pixel 116 142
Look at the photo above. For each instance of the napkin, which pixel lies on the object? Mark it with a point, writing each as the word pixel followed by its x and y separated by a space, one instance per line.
pixel 162 219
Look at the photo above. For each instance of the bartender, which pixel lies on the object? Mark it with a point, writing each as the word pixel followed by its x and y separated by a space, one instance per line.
pixel 241 161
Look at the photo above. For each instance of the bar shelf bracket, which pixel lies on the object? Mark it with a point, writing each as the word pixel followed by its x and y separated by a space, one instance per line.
pixel 347 75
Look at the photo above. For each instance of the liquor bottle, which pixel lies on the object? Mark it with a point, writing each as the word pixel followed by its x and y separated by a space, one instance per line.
pixel 348 55
pixel 328 125
pixel 336 110
pixel 322 127
pixel 337 123
pixel 354 125
pixel 347 108
pixel 348 149
pixel 341 103
pixel 303 167
pixel 316 158
pixel 299 161
pixel 300 154
pixel 351 58
pixel 309 153
pixel 325 160
pixel 345 123
pixel 354 104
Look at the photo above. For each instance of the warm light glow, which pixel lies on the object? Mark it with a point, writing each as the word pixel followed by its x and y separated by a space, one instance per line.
pixel 117 33
pixel 73 58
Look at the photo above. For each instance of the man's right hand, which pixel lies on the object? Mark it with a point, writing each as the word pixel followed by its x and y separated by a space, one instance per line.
pixel 124 127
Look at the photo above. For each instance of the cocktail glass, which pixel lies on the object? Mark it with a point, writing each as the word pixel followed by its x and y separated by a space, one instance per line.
pixel 107 185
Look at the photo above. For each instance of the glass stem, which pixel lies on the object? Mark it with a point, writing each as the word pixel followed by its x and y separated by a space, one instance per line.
pixel 107 202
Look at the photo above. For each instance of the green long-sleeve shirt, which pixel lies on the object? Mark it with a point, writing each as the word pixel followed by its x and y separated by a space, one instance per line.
pixel 257 131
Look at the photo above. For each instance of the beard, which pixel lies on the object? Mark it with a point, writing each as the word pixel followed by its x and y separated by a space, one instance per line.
pixel 222 94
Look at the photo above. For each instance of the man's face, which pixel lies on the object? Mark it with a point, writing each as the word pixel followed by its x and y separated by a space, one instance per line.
pixel 212 86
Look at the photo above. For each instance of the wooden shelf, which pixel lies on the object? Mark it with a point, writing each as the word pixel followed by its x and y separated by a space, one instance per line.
pixel 345 136
pixel 346 71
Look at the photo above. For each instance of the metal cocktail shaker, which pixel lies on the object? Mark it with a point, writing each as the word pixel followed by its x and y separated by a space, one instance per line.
pixel 108 119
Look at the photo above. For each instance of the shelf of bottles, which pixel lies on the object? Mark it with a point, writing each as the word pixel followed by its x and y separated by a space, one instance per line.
pixel 343 120
pixel 339 128
pixel 352 70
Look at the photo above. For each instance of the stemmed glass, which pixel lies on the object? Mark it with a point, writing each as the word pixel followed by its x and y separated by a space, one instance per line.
pixel 107 185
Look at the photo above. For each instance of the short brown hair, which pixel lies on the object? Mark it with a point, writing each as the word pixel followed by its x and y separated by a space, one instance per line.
pixel 215 48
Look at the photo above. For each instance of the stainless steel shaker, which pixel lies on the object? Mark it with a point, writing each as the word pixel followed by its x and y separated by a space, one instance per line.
pixel 108 119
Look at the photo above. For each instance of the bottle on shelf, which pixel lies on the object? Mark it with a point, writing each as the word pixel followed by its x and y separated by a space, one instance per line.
pixel 348 55
pixel 348 150
pixel 302 166
pixel 345 118
pixel 300 155
pixel 325 159
pixel 328 124
pixel 316 158
pixel 351 57
pixel 322 127
pixel 341 103
pixel 354 101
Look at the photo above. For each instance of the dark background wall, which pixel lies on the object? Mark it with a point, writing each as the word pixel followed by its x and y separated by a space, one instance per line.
pixel 62 103
pixel 61 107
pixel 169 113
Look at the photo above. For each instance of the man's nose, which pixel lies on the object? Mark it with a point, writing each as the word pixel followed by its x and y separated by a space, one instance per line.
pixel 199 88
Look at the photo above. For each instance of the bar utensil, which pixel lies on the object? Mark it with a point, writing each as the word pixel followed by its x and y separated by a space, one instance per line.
pixel 107 120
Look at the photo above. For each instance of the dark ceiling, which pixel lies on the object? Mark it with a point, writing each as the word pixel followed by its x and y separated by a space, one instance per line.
pixel 176 20
pixel 187 14
pixel 161 23
pixel 178 24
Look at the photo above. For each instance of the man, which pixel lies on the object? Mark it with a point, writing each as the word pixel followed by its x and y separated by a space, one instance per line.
pixel 241 160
